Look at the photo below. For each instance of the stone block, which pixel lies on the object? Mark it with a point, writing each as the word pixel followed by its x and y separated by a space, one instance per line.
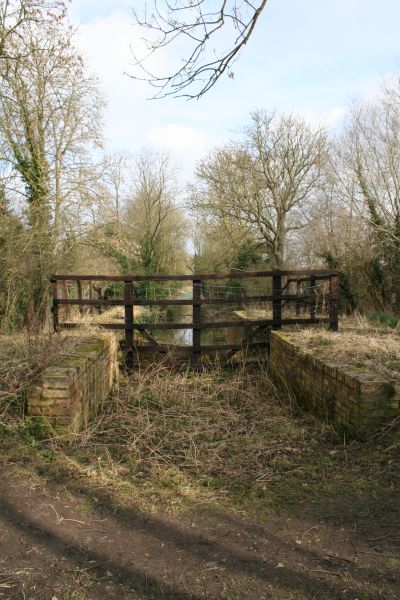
pixel 359 401
pixel 72 390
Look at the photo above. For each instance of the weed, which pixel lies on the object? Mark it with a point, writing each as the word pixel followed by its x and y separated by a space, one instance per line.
pixel 383 319
pixel 217 442
pixel 33 430
pixel 49 455
pixel 358 345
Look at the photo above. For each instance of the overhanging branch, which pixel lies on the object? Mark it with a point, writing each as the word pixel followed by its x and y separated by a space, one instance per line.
pixel 201 26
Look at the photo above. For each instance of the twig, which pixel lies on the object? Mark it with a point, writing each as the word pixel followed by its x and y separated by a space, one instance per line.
pixel 93 566
pixel 382 537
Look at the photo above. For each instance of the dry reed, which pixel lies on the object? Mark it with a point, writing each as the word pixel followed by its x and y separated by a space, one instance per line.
pixel 23 357
pixel 211 425
pixel 358 344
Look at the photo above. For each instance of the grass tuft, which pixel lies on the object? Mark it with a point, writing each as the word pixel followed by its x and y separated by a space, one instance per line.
pixel 358 344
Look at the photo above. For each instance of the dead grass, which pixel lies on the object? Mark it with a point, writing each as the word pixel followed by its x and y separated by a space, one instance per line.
pixel 181 441
pixel 167 436
pixel 357 344
pixel 213 434
pixel 23 357
pixel 195 421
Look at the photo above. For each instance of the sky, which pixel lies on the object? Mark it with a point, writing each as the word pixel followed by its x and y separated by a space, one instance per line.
pixel 310 57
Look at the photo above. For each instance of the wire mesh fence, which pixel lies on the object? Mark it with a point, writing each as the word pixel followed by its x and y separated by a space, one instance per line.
pixel 196 313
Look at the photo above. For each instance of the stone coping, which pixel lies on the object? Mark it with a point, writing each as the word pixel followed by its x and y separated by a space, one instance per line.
pixel 358 400
pixel 73 389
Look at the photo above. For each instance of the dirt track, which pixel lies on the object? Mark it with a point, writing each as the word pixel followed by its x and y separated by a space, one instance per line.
pixel 61 539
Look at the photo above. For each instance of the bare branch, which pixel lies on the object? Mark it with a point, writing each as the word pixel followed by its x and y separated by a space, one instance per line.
pixel 263 184
pixel 205 29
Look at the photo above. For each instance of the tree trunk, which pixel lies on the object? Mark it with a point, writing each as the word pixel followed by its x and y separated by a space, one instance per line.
pixel 41 253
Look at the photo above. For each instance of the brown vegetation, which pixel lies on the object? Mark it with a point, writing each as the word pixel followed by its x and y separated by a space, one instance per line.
pixel 358 343
pixel 193 486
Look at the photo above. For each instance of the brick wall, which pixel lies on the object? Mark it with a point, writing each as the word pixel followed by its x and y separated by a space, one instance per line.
pixel 358 401
pixel 74 388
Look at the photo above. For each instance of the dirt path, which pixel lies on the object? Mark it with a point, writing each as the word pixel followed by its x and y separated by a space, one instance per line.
pixel 198 486
pixel 61 538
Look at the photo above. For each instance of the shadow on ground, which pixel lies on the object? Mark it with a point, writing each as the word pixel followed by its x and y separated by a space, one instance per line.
pixel 75 538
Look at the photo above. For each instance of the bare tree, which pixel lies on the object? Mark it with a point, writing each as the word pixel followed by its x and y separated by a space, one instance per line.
pixel 368 173
pixel 204 26
pixel 263 183
pixel 153 219
pixel 109 195
pixel 48 113
pixel 74 128
pixel 222 245
pixel 14 14
pixel 369 161
pixel 117 167
pixel 12 273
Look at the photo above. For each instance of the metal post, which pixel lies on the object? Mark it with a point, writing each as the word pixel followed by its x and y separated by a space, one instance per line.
pixel 334 303
pixel 129 336
pixel 277 300
pixel 196 341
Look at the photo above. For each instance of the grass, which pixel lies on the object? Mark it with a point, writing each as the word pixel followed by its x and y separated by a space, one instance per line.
pixel 172 436
pixel 384 319
pixel 358 344
pixel 213 433
pixel 182 442
pixel 175 436
pixel 174 439
pixel 23 357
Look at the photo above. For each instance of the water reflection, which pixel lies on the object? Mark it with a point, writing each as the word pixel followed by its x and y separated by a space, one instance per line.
pixel 183 337
pixel 184 314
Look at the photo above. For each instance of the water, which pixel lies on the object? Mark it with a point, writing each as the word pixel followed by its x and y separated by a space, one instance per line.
pixel 184 314
pixel 183 337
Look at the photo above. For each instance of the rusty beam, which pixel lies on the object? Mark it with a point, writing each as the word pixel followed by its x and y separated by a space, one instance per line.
pixel 319 273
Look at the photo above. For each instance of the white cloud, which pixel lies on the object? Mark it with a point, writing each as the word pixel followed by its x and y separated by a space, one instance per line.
pixel 108 43
pixel 307 70
pixel 179 139
pixel 335 115
pixel 328 117
pixel 184 144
